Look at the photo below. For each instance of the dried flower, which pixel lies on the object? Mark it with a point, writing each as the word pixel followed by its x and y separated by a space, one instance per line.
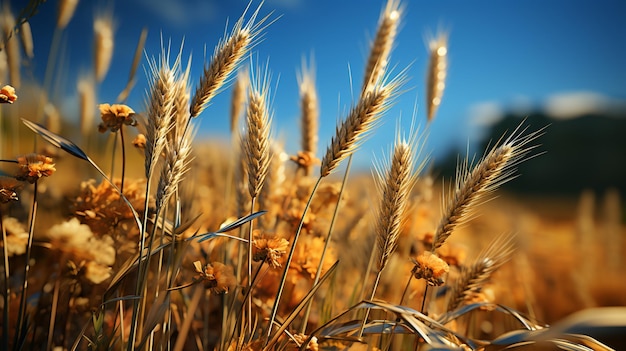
pixel 7 189
pixel 305 159
pixel 34 166
pixel 270 250
pixel 140 141
pixel 430 267
pixel 312 345
pixel 100 206
pixel 17 236
pixel 114 116
pixel 217 277
pixel 97 272
pixel 307 257
pixel 7 95
pixel 79 242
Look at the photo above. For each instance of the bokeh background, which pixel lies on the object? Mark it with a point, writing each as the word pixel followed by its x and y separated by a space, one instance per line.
pixel 553 60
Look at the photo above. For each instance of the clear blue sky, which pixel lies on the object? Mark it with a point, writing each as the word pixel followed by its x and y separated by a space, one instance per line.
pixel 502 54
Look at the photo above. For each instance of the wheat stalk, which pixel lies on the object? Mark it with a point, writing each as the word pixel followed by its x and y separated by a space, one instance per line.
pixel 474 277
pixel 436 73
pixel 227 55
pixel 495 168
pixel 382 44
pixel 103 44
pixel 359 122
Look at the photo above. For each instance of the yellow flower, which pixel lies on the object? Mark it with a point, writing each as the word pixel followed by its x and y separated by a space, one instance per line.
pixel 34 166
pixel 114 116
pixel 270 250
pixel 430 267
pixel 140 141
pixel 7 95
pixel 217 277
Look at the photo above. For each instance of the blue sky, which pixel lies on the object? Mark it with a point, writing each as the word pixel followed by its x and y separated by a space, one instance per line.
pixel 516 54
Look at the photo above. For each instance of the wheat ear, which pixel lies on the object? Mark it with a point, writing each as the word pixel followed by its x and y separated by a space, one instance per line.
pixel 178 146
pixel 256 141
pixel 238 98
pixel 26 35
pixel 11 45
pixel 66 12
pixel 309 107
pixel 103 44
pixel 382 44
pixel 160 106
pixel 495 168
pixel 359 122
pixel 474 277
pixel 436 74
pixel 227 55
pixel 87 93
pixel 395 182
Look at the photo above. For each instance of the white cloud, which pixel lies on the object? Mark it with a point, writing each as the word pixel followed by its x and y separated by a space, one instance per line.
pixel 485 114
pixel 574 104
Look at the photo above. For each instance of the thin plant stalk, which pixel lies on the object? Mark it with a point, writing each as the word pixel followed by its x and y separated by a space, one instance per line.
pixel 22 307
pixel 191 310
pixel 55 304
pixel 318 273
pixel 249 292
pixel 6 292
pixel 123 158
pixel 283 279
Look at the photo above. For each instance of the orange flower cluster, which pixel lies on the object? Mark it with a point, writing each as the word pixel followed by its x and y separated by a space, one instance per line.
pixel 430 267
pixel 34 166
pixel 7 95
pixel 216 276
pixel 270 250
pixel 115 116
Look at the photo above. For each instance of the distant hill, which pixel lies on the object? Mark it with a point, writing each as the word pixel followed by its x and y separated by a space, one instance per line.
pixel 586 152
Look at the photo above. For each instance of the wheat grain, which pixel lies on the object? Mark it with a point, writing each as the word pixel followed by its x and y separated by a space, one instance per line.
pixel 359 122
pixel 495 168
pixel 382 44
pixel 103 44
pixel 227 55
pixel 436 74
